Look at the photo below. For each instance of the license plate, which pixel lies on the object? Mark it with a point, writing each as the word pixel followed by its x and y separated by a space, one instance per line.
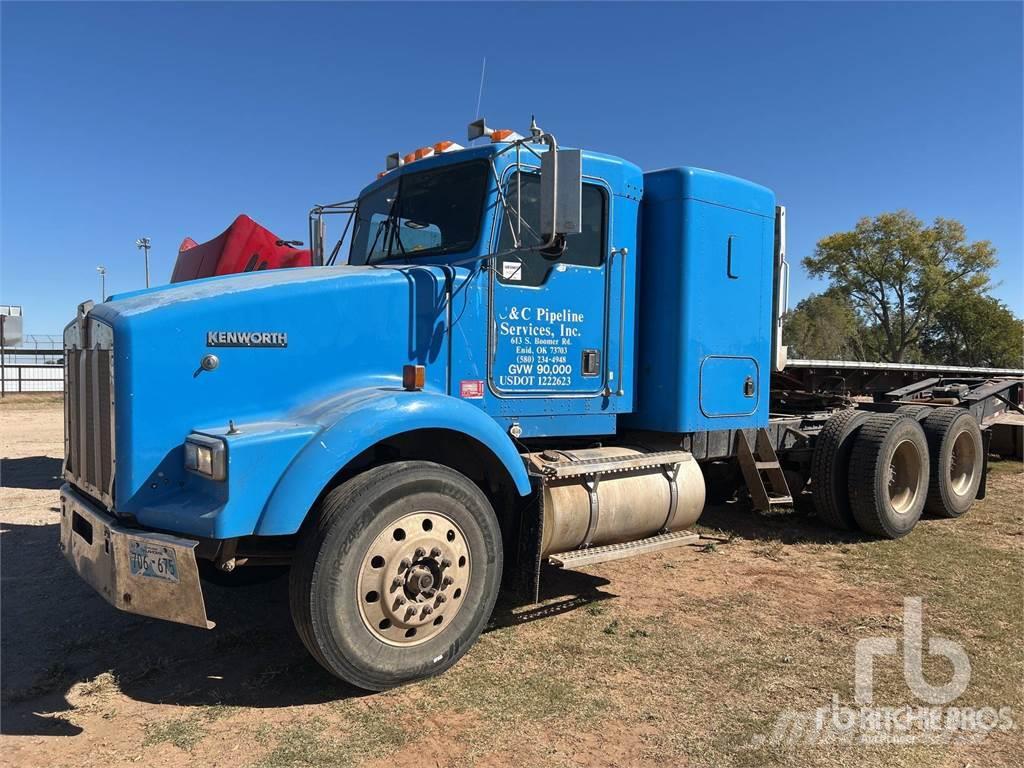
pixel 153 561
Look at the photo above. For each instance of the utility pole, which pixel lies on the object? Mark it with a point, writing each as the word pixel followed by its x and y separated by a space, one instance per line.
pixel 103 282
pixel 3 356
pixel 10 323
pixel 143 244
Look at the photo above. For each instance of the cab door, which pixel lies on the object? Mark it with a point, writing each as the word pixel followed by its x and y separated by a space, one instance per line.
pixel 549 331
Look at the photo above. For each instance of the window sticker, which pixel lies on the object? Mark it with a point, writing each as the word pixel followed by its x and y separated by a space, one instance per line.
pixel 512 270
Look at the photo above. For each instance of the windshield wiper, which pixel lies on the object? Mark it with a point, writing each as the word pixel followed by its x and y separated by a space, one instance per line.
pixel 390 228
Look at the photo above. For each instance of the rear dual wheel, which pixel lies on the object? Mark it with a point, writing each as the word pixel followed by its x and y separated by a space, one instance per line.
pixel 957 461
pixel 915 411
pixel 888 475
pixel 397 575
pixel 830 468
pixel 878 472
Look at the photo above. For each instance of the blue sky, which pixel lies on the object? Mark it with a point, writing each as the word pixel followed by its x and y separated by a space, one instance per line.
pixel 127 119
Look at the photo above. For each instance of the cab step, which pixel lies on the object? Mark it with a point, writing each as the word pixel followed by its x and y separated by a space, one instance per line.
pixel 762 471
pixel 578 558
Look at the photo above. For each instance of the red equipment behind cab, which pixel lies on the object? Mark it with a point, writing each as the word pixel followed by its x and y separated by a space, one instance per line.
pixel 245 246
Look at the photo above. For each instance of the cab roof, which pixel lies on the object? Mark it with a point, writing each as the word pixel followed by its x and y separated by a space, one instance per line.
pixel 625 178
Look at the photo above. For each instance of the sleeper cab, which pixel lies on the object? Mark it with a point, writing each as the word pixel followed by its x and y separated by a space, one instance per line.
pixel 705 302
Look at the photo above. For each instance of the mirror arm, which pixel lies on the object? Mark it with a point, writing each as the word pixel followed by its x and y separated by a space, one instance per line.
pixel 316 232
pixel 313 243
pixel 549 139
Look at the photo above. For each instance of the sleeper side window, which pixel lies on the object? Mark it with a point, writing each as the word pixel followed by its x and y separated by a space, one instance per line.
pixel 531 268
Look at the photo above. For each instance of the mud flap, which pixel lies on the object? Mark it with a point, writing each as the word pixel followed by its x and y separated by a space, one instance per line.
pixel 531 536
pixel 986 443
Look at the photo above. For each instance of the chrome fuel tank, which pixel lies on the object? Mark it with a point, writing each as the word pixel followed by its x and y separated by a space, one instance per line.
pixel 609 495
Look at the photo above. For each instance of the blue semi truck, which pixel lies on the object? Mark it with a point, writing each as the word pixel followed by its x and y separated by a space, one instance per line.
pixel 530 355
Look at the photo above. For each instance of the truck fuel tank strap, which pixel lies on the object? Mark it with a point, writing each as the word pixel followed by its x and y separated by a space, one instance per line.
pixel 595 501
pixel 671 471
pixel 595 510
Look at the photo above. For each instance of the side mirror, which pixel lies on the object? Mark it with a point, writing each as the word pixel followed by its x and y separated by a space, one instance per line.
pixel 316 239
pixel 561 192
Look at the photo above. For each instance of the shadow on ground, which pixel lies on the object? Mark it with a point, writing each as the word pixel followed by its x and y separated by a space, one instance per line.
pixel 58 633
pixel 32 473
pixel 794 525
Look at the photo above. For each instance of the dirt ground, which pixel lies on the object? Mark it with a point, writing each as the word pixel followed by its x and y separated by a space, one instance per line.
pixel 685 657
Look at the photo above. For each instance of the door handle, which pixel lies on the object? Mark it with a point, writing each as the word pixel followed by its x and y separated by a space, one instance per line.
pixel 623 252
pixel 729 264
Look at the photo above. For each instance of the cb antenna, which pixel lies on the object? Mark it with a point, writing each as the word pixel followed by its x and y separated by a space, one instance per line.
pixel 480 91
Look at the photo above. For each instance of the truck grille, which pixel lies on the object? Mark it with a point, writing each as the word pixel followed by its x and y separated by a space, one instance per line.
pixel 89 408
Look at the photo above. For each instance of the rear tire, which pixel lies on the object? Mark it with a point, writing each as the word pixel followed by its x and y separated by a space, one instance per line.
pixel 956 450
pixel 830 466
pixel 888 479
pixel 397 574
pixel 918 412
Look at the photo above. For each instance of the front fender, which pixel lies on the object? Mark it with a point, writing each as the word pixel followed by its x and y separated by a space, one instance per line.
pixel 358 420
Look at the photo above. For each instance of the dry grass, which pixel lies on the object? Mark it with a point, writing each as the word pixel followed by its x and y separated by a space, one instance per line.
pixel 685 657
pixel 32 400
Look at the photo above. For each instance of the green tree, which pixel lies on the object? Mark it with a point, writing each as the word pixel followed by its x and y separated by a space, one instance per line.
pixel 824 327
pixel 899 274
pixel 978 331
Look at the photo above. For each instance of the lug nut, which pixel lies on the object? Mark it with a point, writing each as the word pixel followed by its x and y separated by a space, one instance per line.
pixel 446 563
pixel 399 601
pixel 397 582
pixel 420 552
pixel 435 552
pixel 447 581
pixel 427 610
pixel 441 599
pixel 404 565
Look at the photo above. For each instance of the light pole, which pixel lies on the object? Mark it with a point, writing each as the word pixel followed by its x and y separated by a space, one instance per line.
pixel 103 282
pixel 143 243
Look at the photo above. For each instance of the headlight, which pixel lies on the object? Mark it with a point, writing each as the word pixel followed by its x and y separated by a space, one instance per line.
pixel 206 456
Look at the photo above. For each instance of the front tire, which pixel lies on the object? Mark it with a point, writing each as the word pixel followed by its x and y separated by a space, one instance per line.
pixel 396 576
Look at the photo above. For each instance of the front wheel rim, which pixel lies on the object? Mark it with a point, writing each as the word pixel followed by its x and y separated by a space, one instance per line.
pixel 904 477
pixel 413 578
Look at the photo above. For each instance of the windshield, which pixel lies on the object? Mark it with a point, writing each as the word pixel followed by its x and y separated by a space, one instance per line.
pixel 421 214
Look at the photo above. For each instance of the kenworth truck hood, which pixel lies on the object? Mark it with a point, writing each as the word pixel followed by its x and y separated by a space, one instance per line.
pixel 282 339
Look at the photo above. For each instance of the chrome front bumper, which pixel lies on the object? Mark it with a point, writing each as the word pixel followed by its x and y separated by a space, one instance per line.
pixel 151 574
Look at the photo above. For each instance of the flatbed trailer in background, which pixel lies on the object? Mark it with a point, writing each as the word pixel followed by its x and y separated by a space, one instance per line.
pixel 807 393
pixel 987 392
pixel 873 379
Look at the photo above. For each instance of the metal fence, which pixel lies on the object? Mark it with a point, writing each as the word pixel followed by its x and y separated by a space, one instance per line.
pixel 32 377
pixel 35 365
pixel 41 342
